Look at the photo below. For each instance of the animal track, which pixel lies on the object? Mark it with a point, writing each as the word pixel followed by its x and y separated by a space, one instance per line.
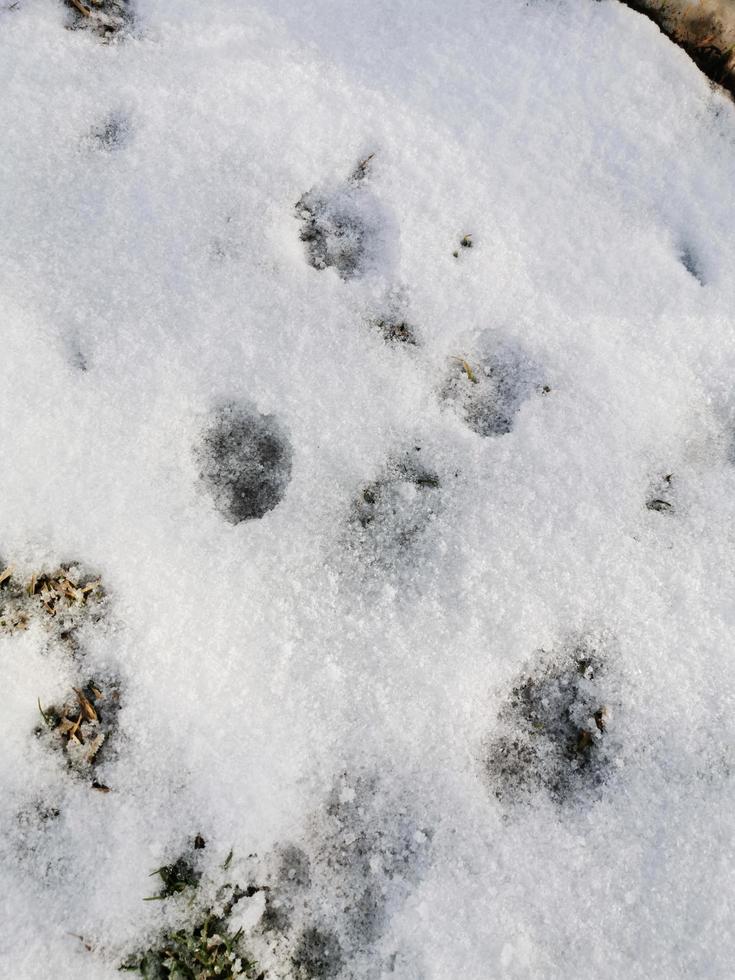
pixel 393 510
pixel 360 857
pixel 342 226
pixel 111 134
pixel 553 729
pixel 487 389
pixel 245 461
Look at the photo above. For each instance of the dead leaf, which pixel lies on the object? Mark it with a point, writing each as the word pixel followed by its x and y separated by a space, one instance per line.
pixel 86 705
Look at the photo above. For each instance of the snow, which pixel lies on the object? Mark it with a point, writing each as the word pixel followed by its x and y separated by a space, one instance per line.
pixel 317 689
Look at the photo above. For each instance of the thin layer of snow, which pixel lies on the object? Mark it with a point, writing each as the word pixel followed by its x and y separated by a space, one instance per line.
pixel 307 680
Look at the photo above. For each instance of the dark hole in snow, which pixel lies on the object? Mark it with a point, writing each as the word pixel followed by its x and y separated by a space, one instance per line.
pixel 660 496
pixel 245 461
pixel 553 729
pixel 691 263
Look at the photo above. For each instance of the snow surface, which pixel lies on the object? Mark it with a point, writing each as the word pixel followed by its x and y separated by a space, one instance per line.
pixel 317 690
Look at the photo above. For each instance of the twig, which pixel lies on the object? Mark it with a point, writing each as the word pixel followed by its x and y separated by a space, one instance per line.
pixel 85 11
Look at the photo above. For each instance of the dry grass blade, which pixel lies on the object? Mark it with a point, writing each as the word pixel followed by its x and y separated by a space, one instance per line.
pixel 86 706
pixel 467 369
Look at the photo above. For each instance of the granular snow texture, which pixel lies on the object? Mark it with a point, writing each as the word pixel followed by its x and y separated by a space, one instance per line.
pixel 423 651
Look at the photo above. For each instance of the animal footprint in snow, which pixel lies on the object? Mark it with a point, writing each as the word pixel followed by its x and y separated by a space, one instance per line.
pixel 363 853
pixel 553 731
pixel 112 133
pixel 344 226
pixel 488 388
pixel 245 461
pixel 392 511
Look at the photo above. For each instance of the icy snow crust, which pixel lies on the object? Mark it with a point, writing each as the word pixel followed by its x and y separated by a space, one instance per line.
pixel 316 680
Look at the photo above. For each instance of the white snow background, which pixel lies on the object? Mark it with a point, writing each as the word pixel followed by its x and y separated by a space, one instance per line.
pixel 269 666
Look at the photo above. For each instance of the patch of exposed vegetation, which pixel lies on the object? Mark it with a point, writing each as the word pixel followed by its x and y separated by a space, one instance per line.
pixel 60 600
pixel 175 878
pixel 81 726
pixel 553 729
pixel 206 951
pixel 209 948
pixel 106 18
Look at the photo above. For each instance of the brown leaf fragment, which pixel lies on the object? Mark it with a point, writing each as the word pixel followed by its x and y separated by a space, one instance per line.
pixel 88 946
pixel 75 731
pixel 86 706
pixel 6 574
pixel 65 726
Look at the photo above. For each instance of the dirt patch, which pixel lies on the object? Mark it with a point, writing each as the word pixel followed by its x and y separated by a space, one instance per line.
pixel 705 29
